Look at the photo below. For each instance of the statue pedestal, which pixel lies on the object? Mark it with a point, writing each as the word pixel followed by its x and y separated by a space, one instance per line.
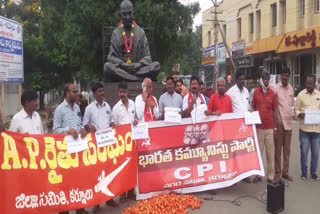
pixel 134 89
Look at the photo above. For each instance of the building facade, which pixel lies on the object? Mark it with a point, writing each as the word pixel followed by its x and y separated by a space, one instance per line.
pixel 276 33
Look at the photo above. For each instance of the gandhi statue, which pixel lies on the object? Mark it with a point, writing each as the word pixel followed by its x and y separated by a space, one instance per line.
pixel 129 57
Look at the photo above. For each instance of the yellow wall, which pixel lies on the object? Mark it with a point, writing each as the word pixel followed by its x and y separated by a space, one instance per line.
pixel 234 9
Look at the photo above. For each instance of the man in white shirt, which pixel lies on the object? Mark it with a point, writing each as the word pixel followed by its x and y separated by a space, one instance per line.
pixel 147 108
pixel 97 116
pixel 239 94
pixel 124 110
pixel 124 113
pixel 27 121
pixel 193 99
pixel 240 100
pixel 170 98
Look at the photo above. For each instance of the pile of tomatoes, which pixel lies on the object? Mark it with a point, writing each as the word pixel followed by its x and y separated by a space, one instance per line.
pixel 165 204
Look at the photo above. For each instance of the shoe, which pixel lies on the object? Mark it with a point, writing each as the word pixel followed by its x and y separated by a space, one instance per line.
pixel 287 177
pixel 303 177
pixel 96 209
pixel 315 177
pixel 247 180
pixel 112 203
pixel 131 195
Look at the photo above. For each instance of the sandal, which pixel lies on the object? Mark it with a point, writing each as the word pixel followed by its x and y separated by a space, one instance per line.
pixel 257 179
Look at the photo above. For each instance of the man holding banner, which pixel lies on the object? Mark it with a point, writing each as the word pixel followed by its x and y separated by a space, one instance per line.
pixel 27 121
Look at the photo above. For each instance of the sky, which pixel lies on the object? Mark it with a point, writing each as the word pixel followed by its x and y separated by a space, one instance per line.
pixel 204 5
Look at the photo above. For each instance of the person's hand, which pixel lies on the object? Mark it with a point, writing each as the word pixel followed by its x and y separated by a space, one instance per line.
pixel 135 122
pixel 113 125
pixel 207 112
pixel 218 113
pixel 151 104
pixel 145 96
pixel 83 133
pixel 74 133
pixel 301 115
pixel 275 133
pixel 194 98
pixel 90 128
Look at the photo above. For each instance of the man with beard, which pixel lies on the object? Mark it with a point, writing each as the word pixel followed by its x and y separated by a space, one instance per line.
pixel 188 135
pixel 193 99
pixel 283 131
pixel 27 121
pixel 178 87
pixel 67 116
pixel 124 110
pixel 129 57
pixel 202 89
pixel 219 102
pixel 309 134
pixel 98 116
pixel 170 98
pixel 146 105
pixel 264 101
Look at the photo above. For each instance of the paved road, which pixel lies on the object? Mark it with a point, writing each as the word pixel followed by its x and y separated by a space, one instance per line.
pixel 301 197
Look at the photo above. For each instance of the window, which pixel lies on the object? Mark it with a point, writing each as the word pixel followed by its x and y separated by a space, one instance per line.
pixel 258 20
pixel 251 27
pixel 316 6
pixel 284 12
pixel 209 38
pixel 302 7
pixel 239 28
pixel 274 14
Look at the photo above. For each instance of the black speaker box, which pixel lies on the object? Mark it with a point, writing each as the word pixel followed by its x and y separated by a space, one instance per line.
pixel 275 197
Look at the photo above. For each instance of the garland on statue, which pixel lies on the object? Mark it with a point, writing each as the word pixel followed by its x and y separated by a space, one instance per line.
pixel 128 49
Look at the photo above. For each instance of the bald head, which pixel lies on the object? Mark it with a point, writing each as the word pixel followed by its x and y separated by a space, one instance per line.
pixel 126 13
pixel 147 85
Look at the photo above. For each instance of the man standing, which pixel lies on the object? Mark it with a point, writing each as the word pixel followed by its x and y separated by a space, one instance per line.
pixel 124 113
pixel 239 94
pixel 67 119
pixel 264 101
pixel 193 99
pixel 98 114
pixel 283 131
pixel 178 87
pixel 170 98
pixel 202 90
pixel 27 121
pixel 219 102
pixel 309 135
pixel 146 105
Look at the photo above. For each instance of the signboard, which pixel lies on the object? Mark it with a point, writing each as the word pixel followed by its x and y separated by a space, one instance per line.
pixel 221 53
pixel 208 55
pixel 197 157
pixel 238 48
pixel 11 51
pixel 245 61
pixel 38 175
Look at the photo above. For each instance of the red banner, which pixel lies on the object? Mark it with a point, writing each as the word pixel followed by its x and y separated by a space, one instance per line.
pixel 38 175
pixel 197 157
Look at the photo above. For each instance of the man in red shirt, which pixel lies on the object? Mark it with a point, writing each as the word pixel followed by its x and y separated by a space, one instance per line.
pixel 264 101
pixel 219 102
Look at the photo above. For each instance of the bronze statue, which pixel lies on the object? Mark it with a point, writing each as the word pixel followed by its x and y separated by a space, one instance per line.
pixel 129 57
